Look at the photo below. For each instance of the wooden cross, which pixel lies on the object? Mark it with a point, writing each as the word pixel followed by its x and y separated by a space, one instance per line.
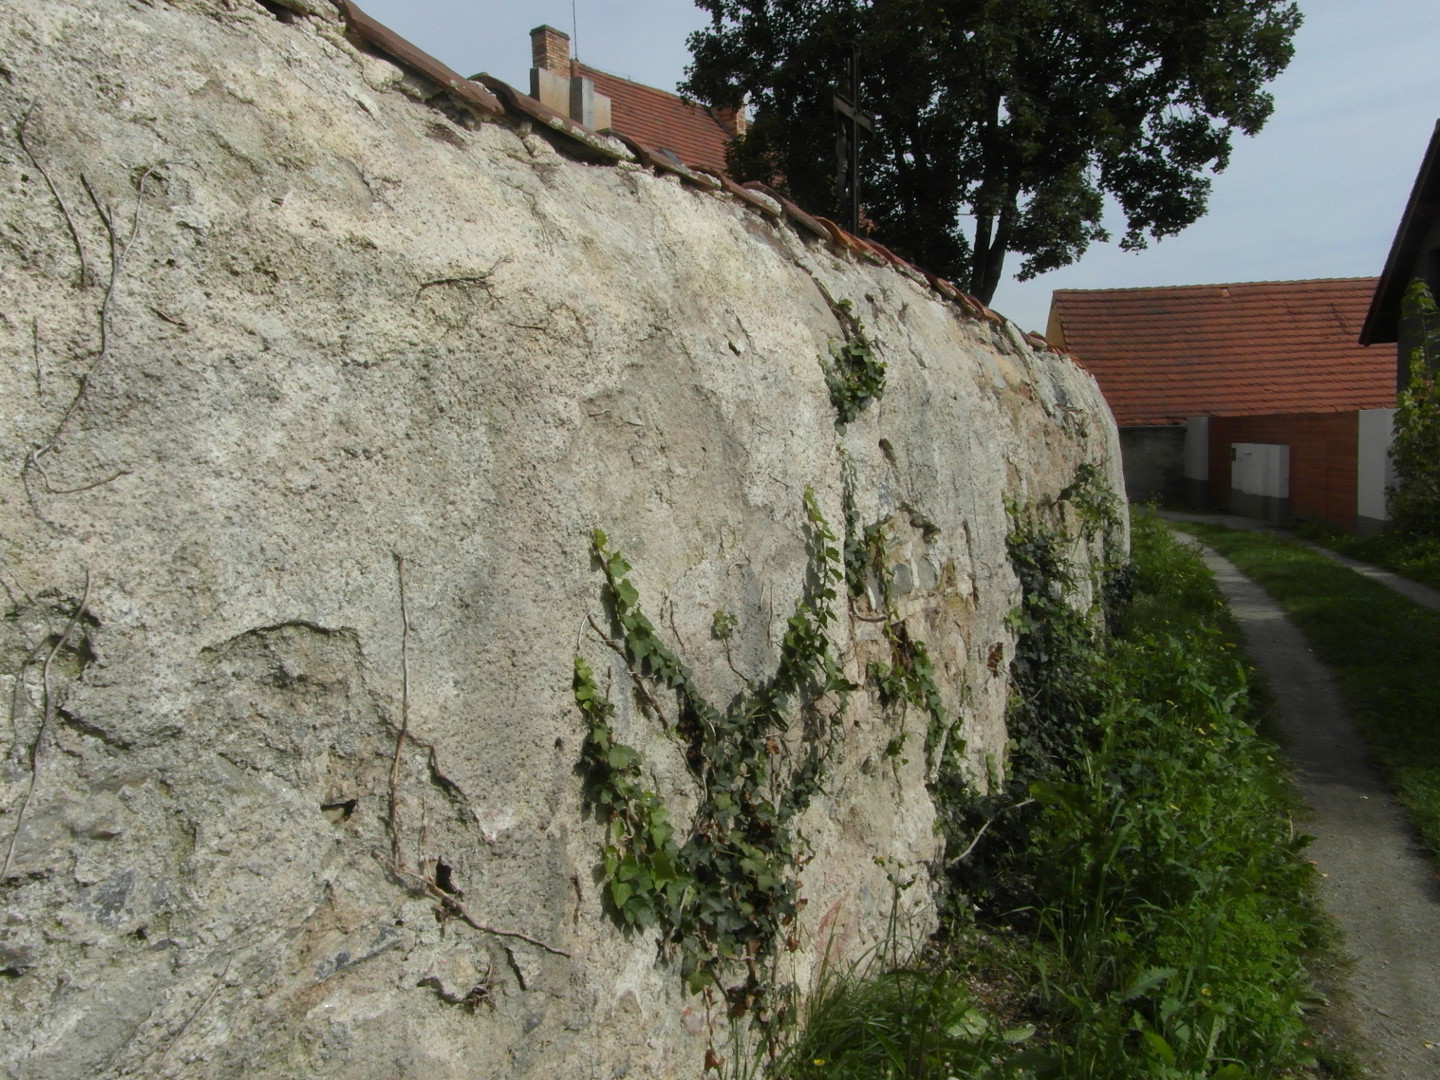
pixel 847 139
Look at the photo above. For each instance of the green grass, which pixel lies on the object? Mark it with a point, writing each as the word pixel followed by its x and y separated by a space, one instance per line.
pixel 1384 651
pixel 1167 915
pixel 1415 558
pixel 916 1021
pixel 1174 903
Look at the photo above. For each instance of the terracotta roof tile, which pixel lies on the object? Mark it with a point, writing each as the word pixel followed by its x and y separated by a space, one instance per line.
pixel 662 121
pixel 1246 349
pixel 467 91
pixel 757 199
pixel 659 129
pixel 671 164
pixel 793 212
pixel 526 107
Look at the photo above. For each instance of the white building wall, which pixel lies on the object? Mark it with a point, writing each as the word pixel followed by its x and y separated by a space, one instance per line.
pixel 1374 469
pixel 1260 469
pixel 1197 448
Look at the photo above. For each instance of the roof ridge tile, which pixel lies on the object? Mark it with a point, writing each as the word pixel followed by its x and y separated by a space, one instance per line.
pixel 493 99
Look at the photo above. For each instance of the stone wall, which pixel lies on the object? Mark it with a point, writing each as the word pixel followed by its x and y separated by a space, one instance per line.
pixel 1154 460
pixel 314 390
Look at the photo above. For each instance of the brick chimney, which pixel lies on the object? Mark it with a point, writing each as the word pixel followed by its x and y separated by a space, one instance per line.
pixel 732 120
pixel 555 80
pixel 550 50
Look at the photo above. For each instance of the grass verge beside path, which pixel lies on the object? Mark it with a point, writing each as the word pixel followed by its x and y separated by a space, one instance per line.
pixel 1149 914
pixel 1383 650
pixel 1418 560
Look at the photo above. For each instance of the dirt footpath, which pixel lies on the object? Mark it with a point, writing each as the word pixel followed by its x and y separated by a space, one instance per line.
pixel 1377 882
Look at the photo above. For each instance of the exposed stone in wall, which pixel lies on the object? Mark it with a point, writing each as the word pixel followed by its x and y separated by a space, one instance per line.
pixel 286 338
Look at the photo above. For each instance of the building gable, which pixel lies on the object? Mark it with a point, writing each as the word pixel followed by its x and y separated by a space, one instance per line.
pixel 1415 251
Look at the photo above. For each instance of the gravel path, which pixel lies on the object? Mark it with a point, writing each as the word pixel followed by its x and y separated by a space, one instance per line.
pixel 1377 882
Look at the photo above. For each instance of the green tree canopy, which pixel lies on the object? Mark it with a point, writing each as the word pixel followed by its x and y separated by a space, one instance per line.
pixel 1000 124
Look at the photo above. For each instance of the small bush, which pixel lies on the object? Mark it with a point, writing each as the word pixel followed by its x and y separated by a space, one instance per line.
pixel 1415 498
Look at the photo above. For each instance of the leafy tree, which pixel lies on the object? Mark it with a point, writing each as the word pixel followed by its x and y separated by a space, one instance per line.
pixel 1019 114
pixel 1415 448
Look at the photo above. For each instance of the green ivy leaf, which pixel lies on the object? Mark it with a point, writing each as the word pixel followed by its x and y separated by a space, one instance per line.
pixel 620 892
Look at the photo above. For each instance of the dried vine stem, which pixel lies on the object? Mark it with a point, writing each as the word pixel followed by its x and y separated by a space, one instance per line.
pixel 47 704
pixel 404 733
pixel 635 676
pixel 18 585
pixel 19 687
pixel 55 193
pixel 35 352
pixel 451 904
pixel 965 854
pixel 473 281
pixel 479 280
pixel 214 989
pixel 83 487
pixel 118 250
pixel 396 862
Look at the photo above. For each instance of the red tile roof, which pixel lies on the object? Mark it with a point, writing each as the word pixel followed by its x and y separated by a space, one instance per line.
pixel 1164 354
pixel 662 121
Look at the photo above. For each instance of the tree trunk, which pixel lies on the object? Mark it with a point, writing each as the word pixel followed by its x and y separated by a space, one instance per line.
pixel 988 277
pixel 992 213
pixel 980 256
pixel 987 257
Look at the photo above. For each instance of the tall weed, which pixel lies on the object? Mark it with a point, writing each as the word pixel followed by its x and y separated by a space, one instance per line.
pixel 1171 899
pixel 917 1021
pixel 1159 903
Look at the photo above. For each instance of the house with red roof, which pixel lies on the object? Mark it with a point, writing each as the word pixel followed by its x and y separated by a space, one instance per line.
pixel 664 123
pixel 1251 397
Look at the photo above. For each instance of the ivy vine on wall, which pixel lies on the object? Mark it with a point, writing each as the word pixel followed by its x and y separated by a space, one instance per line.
pixel 1056 679
pixel 721 887
pixel 909 678
pixel 854 374
pixel 724 896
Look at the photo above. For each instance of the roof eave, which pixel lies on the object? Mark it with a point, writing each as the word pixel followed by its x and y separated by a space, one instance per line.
pixel 1382 321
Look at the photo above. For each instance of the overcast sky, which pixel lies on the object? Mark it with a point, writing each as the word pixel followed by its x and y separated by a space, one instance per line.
pixel 1318 193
